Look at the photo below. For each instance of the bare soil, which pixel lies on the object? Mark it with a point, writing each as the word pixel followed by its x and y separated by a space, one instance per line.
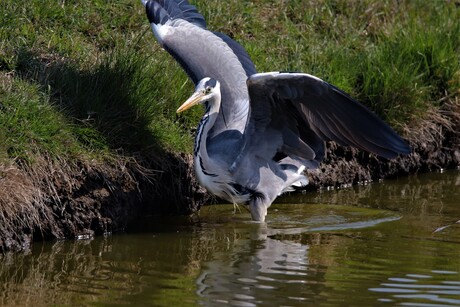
pixel 52 199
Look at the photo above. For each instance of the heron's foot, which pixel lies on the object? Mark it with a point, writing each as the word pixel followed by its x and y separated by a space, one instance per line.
pixel 236 208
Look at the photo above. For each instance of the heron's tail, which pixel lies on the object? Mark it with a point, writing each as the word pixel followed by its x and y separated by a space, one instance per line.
pixel 160 11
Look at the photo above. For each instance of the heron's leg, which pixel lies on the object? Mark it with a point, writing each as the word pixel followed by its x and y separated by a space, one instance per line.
pixel 236 208
pixel 258 208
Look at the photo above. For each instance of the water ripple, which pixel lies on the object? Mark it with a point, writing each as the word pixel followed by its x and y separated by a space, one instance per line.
pixel 422 289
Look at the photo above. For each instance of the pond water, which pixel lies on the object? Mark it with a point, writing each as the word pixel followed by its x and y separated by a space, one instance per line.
pixel 390 243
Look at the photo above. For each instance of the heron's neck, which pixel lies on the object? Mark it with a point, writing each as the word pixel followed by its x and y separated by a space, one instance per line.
pixel 206 123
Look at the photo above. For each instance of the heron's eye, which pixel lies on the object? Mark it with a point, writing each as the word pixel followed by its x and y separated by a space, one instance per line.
pixel 208 90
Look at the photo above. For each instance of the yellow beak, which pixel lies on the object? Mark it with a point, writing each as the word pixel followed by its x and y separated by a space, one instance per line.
pixel 195 99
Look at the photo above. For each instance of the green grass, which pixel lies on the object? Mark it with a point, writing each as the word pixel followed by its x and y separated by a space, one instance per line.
pixel 29 122
pixel 85 78
pixel 82 79
pixel 399 59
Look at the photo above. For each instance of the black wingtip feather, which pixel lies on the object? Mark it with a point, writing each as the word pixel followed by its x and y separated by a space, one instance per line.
pixel 160 11
pixel 325 111
pixel 151 11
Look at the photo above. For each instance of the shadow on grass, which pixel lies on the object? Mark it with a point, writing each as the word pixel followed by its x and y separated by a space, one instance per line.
pixel 103 104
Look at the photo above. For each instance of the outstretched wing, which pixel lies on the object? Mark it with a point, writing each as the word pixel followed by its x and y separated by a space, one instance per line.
pixel 301 111
pixel 181 30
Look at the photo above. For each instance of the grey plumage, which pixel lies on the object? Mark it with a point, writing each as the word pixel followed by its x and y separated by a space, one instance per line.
pixel 260 130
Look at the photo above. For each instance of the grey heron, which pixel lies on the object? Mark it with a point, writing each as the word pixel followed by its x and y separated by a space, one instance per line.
pixel 260 130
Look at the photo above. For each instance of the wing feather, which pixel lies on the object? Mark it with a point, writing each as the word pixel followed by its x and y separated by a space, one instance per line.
pixel 321 110
pixel 239 51
pixel 160 11
pixel 181 30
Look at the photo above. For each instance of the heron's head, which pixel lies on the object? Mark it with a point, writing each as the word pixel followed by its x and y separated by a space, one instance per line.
pixel 207 91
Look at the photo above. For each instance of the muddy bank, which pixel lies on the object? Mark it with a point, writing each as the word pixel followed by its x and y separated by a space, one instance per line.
pixel 55 199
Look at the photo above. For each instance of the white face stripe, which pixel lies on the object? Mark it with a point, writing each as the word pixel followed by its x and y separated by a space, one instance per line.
pixel 205 82
pixel 208 82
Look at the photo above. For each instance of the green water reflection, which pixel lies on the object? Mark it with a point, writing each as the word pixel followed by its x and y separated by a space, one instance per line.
pixel 390 243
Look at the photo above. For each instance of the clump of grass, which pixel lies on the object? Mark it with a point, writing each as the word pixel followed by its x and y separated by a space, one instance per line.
pixel 79 87
pixel 28 120
pixel 22 208
pixel 63 109
pixel 413 68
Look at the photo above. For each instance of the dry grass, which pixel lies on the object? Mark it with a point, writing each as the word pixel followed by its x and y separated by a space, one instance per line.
pixel 435 126
pixel 22 207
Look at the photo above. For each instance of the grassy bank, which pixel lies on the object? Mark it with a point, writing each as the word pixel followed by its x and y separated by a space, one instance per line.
pixel 83 83
pixel 79 78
